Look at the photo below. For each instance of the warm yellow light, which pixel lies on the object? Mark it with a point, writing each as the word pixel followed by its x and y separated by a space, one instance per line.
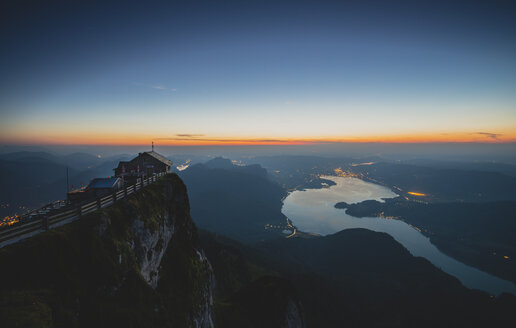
pixel 416 193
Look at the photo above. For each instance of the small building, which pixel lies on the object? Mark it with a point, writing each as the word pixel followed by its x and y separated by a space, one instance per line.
pixel 145 164
pixel 103 186
pixel 97 187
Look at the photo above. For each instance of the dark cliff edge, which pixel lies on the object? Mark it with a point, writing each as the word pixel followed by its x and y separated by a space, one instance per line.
pixel 137 263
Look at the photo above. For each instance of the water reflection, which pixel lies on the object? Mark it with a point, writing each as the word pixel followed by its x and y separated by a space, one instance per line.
pixel 313 210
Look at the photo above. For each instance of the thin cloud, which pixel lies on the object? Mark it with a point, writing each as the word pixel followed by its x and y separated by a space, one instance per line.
pixel 490 135
pixel 158 87
pixel 155 86
pixel 224 140
pixel 188 135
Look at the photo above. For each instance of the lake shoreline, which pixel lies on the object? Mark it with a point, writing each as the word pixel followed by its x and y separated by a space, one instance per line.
pixel 313 211
pixel 472 254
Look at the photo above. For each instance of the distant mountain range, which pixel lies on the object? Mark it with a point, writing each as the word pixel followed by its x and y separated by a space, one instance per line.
pixel 443 184
pixel 32 179
pixel 508 169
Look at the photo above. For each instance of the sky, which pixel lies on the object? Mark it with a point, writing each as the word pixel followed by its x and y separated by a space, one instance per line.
pixel 256 72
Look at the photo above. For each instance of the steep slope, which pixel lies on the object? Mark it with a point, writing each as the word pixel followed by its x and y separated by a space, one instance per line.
pixel 135 264
pixel 249 292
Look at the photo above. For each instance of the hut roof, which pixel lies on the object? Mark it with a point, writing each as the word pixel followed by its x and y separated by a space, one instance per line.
pixel 159 157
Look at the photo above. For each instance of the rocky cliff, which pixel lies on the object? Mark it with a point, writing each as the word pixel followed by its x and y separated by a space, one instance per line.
pixel 137 263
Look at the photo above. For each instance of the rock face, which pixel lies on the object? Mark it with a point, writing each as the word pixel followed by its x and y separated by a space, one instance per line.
pixel 150 248
pixel 294 315
pixel 136 263
pixel 204 314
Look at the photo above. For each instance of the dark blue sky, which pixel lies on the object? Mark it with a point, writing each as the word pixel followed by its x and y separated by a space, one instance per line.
pixel 256 69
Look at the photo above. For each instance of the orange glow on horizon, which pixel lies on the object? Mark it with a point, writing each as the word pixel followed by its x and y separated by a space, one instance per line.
pixel 142 140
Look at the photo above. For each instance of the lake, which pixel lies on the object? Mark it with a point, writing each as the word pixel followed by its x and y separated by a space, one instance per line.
pixel 312 210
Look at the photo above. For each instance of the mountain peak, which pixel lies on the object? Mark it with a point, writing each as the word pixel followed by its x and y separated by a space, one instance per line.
pixel 219 163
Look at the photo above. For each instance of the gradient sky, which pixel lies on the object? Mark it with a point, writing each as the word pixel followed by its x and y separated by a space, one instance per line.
pixel 218 72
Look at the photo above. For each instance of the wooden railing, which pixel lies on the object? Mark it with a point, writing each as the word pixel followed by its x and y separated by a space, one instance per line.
pixel 49 220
